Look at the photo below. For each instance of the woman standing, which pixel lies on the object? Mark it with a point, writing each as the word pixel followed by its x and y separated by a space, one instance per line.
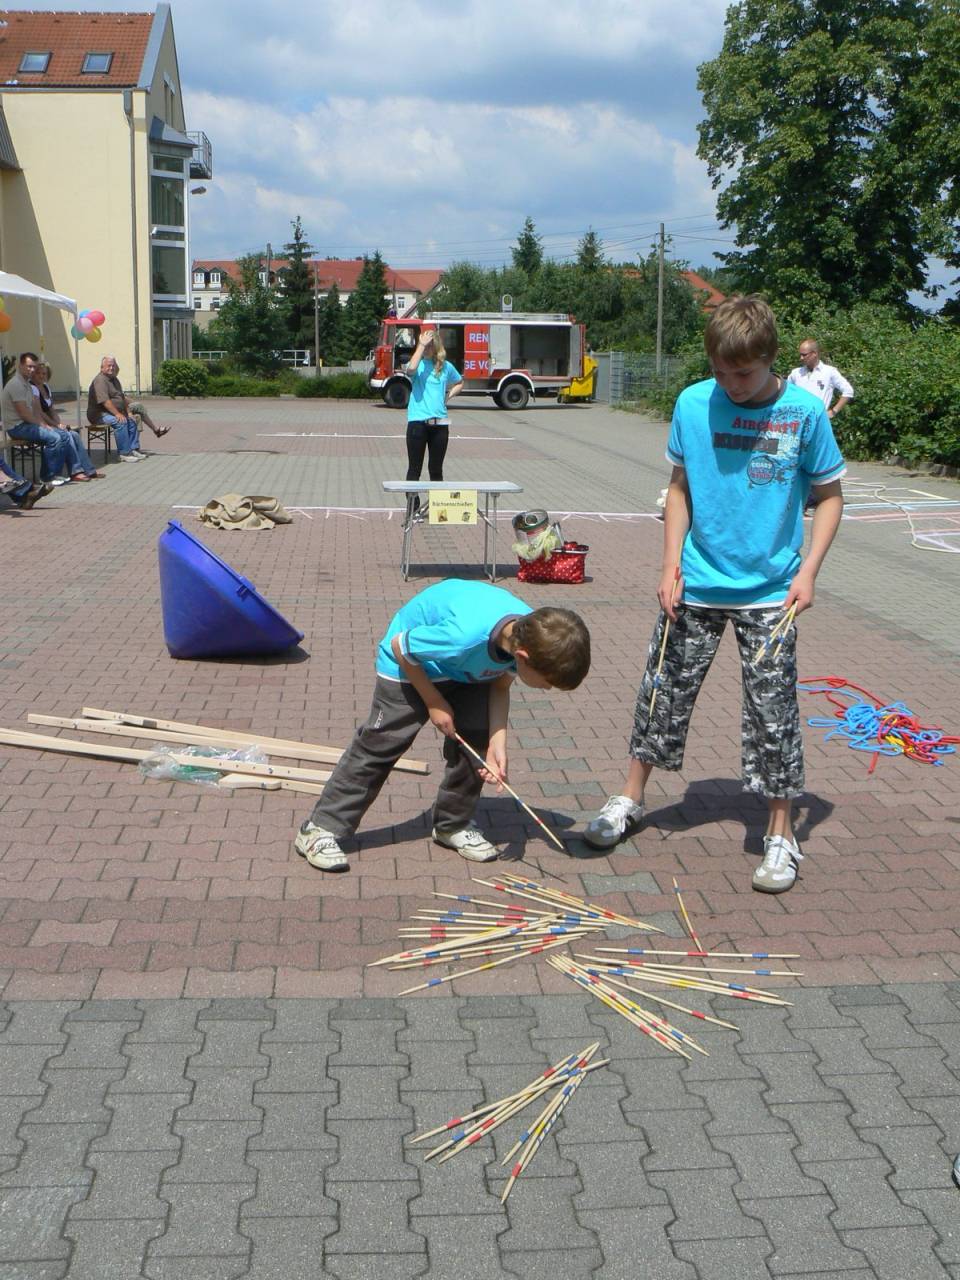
pixel 434 382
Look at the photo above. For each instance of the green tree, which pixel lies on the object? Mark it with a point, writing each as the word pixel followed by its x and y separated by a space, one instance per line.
pixel 807 133
pixel 328 323
pixel 296 288
pixel 364 309
pixel 251 321
pixel 528 251
pixel 590 251
pixel 466 287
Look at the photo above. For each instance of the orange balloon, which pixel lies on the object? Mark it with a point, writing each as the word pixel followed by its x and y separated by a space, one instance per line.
pixel 5 322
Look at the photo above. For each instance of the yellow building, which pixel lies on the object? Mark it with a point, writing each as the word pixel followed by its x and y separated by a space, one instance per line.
pixel 95 167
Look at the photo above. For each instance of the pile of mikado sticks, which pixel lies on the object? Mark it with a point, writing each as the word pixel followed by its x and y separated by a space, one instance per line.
pixel 496 933
pixel 236 772
pixel 607 980
pixel 566 1076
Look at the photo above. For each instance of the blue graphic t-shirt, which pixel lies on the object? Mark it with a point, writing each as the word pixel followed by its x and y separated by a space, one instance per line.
pixel 749 472
pixel 447 630
pixel 428 391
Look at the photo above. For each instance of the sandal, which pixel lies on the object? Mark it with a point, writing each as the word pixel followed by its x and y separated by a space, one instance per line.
pixel 161 431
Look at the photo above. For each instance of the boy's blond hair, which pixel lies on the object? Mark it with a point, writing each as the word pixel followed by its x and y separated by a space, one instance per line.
pixel 742 329
pixel 557 643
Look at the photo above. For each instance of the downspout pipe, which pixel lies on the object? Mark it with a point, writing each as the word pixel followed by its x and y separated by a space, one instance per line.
pixel 128 111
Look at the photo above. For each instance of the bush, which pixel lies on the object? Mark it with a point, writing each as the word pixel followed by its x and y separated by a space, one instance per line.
pixel 906 376
pixel 182 378
pixel 236 384
pixel 337 386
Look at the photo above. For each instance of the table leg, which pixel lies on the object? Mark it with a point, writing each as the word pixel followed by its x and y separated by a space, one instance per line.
pixel 493 541
pixel 407 534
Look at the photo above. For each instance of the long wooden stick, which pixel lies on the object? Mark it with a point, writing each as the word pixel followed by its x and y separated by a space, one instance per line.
pixel 705 955
pixel 329 755
pixel 663 643
pixel 241 781
pixel 779 630
pixel 40 742
pixel 507 787
pixel 686 919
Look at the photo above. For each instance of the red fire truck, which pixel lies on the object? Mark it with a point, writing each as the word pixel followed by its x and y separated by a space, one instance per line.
pixel 507 355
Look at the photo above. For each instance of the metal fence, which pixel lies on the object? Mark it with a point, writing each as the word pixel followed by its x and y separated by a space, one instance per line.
pixel 296 358
pixel 632 376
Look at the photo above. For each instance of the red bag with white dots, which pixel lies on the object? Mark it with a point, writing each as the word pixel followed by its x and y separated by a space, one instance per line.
pixel 568 565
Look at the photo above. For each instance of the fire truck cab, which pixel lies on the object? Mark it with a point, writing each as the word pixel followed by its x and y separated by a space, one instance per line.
pixel 509 356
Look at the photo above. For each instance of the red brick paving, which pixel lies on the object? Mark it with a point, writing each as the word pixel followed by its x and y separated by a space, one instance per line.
pixel 116 887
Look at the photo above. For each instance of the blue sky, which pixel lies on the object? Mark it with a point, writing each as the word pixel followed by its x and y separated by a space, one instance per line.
pixel 431 132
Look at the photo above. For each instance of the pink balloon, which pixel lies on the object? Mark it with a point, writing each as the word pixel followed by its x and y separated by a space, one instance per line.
pixel 97 317
pixel 85 324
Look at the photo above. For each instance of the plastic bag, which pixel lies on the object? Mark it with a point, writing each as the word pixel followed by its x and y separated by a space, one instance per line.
pixel 161 765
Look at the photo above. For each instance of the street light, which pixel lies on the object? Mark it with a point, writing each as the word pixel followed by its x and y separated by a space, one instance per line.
pixel 198 191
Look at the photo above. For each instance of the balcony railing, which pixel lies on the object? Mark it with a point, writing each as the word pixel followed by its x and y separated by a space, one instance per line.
pixel 201 162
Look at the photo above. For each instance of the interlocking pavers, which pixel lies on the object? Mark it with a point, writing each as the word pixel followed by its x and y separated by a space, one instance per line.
pixel 109 1249
pixel 736 1259
pixel 285 1247
pixel 371 1213
pixel 805 1242
pixel 705 1205
pixel 895 1252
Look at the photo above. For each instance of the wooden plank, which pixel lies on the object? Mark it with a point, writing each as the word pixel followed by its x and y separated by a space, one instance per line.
pixel 107 751
pixel 233 737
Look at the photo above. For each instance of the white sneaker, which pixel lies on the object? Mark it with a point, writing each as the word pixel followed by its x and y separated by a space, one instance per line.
pixel 57 481
pixel 320 848
pixel 138 453
pixel 778 870
pixel 130 457
pixel 612 823
pixel 470 843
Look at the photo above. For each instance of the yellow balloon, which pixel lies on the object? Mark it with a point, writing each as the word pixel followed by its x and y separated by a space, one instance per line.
pixel 94 335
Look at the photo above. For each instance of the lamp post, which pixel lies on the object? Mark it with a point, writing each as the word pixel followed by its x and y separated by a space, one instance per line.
pixel 316 321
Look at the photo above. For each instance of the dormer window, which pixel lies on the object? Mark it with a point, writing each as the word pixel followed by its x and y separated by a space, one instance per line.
pixel 97 64
pixel 215 279
pixel 36 62
pixel 263 277
pixel 198 279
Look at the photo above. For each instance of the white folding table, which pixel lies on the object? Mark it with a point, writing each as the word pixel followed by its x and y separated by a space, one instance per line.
pixel 489 490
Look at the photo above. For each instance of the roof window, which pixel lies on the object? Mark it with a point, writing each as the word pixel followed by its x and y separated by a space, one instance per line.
pixel 96 63
pixel 34 62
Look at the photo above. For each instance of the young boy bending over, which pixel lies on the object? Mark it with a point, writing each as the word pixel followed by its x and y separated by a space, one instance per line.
pixel 449 656
pixel 746 448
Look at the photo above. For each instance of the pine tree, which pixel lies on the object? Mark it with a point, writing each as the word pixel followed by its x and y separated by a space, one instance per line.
pixel 296 290
pixel 329 321
pixel 590 251
pixel 364 310
pixel 528 251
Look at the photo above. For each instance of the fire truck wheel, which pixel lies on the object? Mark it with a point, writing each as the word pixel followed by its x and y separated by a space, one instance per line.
pixel 396 395
pixel 514 396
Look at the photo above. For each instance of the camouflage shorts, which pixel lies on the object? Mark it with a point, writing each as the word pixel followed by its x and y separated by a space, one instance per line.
pixel 772 745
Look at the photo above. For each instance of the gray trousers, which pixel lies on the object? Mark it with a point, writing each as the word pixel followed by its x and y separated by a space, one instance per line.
pixel 397 715
pixel 772 744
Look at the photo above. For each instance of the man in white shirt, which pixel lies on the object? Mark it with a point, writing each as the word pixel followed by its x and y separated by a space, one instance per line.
pixel 821 380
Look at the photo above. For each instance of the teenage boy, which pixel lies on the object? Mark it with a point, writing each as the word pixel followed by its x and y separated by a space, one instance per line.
pixel 449 656
pixel 746 448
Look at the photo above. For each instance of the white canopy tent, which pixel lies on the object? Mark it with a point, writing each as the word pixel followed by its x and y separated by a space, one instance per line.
pixel 12 286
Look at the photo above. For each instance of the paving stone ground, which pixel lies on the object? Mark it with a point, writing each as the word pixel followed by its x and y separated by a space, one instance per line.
pixel 198 1076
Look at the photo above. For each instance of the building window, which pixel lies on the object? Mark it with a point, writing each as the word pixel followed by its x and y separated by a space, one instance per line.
pixel 199 279
pixel 167 164
pixel 96 63
pixel 34 62
pixel 215 279
pixel 214 304
pixel 169 264
pixel 263 277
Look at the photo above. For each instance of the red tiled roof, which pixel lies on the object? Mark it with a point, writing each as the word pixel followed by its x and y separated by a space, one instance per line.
pixel 344 272
pixel 714 296
pixel 67 37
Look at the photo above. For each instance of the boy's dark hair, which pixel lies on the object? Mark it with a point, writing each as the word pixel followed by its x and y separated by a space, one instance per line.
pixel 557 644
pixel 742 329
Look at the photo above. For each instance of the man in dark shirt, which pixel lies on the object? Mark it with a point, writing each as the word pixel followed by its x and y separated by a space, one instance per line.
pixel 108 406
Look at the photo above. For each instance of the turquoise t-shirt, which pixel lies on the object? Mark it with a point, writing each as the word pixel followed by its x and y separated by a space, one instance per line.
pixel 447 630
pixel 749 472
pixel 428 391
